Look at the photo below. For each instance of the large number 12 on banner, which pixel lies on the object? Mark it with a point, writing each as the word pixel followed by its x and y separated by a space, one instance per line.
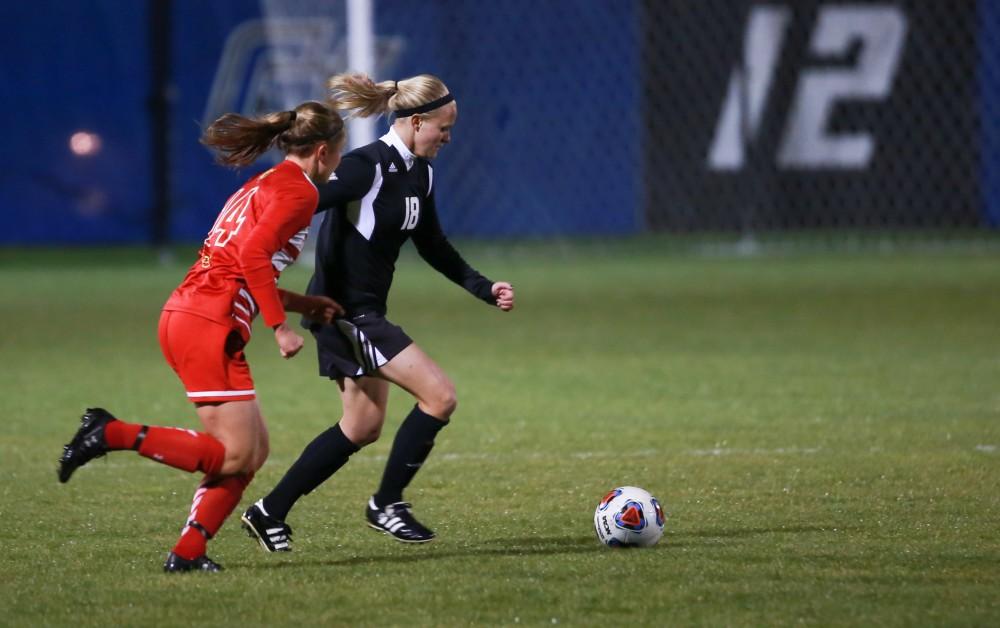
pixel 807 143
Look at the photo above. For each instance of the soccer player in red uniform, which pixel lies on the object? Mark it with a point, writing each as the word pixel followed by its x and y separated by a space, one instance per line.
pixel 207 320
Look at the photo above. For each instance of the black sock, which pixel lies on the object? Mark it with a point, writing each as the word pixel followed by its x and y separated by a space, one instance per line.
pixel 412 444
pixel 319 460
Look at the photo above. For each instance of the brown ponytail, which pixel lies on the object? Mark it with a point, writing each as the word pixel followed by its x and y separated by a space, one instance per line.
pixel 239 141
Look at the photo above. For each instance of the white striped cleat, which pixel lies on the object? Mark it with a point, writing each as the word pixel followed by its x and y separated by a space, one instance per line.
pixel 273 534
pixel 397 521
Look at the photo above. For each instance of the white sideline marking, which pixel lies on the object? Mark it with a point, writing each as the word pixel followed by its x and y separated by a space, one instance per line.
pixel 989 449
pixel 725 451
pixel 580 455
pixel 640 453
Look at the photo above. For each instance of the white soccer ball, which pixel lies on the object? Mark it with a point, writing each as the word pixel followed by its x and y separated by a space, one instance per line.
pixel 629 516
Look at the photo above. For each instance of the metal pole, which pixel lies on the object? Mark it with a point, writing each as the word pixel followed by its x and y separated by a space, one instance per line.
pixel 361 58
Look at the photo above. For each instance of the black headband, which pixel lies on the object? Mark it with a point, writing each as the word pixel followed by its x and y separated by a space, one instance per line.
pixel 424 108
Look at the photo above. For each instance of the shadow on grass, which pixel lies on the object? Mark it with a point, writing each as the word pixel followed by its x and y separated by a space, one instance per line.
pixel 527 546
pixel 750 532
pixel 531 546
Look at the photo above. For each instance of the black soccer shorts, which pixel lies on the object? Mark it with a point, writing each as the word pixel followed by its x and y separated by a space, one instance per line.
pixel 358 345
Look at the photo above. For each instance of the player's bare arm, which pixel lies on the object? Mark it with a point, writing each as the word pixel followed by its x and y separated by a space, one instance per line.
pixel 315 307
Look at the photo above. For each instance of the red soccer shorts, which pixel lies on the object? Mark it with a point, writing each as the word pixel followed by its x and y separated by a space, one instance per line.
pixel 207 356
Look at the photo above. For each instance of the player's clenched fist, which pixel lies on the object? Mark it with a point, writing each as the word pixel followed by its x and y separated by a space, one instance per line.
pixel 504 293
pixel 289 342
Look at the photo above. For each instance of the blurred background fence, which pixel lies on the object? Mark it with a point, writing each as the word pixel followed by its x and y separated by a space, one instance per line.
pixel 577 117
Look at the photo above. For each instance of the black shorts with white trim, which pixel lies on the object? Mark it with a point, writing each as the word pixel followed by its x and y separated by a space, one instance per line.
pixel 357 345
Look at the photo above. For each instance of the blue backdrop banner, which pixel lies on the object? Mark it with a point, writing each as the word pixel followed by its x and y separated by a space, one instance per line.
pixel 576 117
pixel 546 143
pixel 76 140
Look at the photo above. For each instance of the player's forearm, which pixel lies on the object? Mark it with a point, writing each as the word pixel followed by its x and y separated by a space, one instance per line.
pixel 447 261
pixel 292 301
pixel 285 218
pixel 259 275
pixel 265 292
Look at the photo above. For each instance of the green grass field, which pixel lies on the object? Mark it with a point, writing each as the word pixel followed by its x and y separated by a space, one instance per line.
pixel 822 428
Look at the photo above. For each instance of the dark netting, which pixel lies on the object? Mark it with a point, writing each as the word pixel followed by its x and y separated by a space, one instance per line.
pixel 600 118
pixel 815 115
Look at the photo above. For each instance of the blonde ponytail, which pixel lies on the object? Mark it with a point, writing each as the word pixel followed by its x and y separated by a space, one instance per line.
pixel 360 95
pixel 357 93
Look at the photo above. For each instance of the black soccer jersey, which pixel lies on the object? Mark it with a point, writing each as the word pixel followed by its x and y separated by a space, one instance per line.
pixel 380 196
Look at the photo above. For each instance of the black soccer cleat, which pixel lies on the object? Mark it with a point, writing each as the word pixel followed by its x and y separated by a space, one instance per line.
pixel 88 442
pixel 397 521
pixel 176 564
pixel 273 534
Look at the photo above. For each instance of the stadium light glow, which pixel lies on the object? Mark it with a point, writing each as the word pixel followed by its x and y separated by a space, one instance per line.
pixel 84 144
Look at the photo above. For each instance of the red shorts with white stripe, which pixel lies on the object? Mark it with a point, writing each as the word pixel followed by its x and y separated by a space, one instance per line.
pixel 207 356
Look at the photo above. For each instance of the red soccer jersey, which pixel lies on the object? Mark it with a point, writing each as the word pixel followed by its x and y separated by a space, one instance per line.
pixel 259 232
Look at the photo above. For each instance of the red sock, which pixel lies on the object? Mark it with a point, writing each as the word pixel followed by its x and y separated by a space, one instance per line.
pixel 121 435
pixel 173 446
pixel 213 502
pixel 184 449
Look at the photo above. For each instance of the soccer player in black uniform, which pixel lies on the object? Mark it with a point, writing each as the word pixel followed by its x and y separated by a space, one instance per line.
pixel 380 196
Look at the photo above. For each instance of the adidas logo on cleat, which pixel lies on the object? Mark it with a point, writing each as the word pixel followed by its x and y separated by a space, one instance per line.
pixel 274 535
pixel 397 521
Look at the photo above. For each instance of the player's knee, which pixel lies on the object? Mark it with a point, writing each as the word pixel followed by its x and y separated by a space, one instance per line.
pixel 368 435
pixel 450 405
pixel 444 401
pixel 260 457
pixel 363 430
pixel 239 460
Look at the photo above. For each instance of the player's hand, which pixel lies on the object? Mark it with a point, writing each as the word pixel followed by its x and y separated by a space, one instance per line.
pixel 289 342
pixel 504 293
pixel 321 309
pixel 315 307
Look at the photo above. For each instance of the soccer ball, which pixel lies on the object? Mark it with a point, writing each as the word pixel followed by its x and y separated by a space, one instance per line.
pixel 629 516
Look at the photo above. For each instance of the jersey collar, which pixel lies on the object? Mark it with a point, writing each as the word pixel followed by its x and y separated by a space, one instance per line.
pixel 392 139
